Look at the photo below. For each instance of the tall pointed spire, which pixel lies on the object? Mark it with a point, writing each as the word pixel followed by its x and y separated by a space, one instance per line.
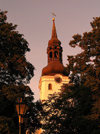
pixel 54 39
pixel 54 33
pixel 54 52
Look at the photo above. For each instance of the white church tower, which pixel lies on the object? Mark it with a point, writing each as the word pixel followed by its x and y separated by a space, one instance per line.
pixel 54 74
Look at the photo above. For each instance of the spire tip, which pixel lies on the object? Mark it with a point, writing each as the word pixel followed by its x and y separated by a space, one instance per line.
pixel 53 19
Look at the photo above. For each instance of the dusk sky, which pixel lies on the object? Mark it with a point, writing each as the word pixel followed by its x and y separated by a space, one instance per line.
pixel 34 20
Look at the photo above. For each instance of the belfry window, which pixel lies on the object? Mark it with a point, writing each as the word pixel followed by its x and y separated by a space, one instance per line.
pixel 55 54
pixel 50 86
pixel 50 55
pixel 60 56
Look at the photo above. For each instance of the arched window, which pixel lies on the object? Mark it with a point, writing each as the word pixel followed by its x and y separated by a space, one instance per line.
pixel 60 56
pixel 50 86
pixel 50 55
pixel 55 54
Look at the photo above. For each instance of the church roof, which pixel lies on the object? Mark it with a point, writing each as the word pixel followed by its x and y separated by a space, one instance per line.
pixel 54 68
pixel 54 51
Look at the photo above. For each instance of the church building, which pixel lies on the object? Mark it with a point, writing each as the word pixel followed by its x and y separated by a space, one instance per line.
pixel 54 75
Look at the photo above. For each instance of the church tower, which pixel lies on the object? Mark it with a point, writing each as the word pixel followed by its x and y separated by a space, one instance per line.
pixel 54 74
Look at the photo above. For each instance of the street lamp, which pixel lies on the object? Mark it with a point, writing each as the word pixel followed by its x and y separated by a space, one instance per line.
pixel 21 110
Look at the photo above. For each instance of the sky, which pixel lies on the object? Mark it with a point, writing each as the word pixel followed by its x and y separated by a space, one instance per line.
pixel 34 20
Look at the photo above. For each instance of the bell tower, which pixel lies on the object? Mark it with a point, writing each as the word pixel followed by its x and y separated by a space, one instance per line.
pixel 54 49
pixel 54 74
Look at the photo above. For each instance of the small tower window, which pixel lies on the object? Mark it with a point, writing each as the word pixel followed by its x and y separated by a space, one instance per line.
pixel 55 54
pixel 60 56
pixel 50 86
pixel 50 55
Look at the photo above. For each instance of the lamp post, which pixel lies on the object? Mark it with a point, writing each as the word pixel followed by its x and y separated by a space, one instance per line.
pixel 21 110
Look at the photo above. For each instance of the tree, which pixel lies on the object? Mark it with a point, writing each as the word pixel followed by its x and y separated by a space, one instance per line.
pixel 68 112
pixel 15 74
pixel 14 68
pixel 86 65
pixel 76 110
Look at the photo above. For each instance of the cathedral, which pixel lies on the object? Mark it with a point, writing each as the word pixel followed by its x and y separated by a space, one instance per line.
pixel 54 74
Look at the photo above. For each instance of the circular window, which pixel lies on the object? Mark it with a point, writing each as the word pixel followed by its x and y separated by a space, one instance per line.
pixel 58 79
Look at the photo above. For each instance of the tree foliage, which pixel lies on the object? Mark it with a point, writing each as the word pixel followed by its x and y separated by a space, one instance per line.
pixel 86 66
pixel 15 73
pixel 68 112
pixel 76 110
pixel 14 68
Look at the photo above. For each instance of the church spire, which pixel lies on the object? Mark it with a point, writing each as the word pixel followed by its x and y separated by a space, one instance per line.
pixel 54 39
pixel 54 52
pixel 54 33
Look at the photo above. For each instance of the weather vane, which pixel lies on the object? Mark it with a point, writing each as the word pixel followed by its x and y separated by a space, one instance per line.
pixel 53 16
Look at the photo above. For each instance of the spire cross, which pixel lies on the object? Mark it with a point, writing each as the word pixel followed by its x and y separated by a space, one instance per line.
pixel 53 15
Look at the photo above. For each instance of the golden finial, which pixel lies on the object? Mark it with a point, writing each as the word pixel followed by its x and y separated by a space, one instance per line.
pixel 53 19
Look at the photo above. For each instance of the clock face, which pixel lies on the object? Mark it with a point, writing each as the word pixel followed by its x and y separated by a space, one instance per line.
pixel 58 79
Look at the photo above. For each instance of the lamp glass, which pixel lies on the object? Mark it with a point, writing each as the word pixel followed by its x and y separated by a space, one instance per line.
pixel 21 108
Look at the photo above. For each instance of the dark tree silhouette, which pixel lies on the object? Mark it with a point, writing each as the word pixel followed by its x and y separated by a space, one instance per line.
pixel 15 73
